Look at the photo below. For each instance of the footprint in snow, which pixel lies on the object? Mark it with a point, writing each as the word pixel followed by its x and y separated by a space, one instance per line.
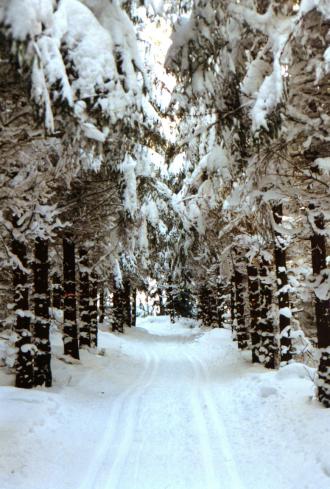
pixel 267 391
pixel 326 469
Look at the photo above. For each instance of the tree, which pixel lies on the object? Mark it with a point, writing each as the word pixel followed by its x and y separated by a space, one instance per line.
pixel 84 299
pixel 42 367
pixel 24 360
pixel 70 328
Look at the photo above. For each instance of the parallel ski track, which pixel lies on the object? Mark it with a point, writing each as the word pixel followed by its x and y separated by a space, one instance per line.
pixel 110 460
pixel 199 420
pixel 130 416
pixel 110 457
pixel 138 458
pixel 213 427
pixel 199 425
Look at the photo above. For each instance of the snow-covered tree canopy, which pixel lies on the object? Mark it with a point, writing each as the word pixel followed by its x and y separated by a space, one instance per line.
pixel 81 55
pixel 198 159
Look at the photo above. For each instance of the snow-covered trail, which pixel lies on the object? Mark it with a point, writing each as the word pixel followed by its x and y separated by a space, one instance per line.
pixel 165 430
pixel 164 407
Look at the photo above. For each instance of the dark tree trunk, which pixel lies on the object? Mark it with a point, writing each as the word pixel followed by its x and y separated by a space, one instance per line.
pixel 24 360
pixel 221 303
pixel 117 321
pixel 162 310
pixel 241 328
pixel 16 119
pixel 322 306
pixel 70 330
pixel 170 303
pixel 233 307
pixel 102 304
pixel 84 299
pixel 134 307
pixel 127 303
pixel 213 308
pixel 93 310
pixel 282 283
pixel 204 306
pixel 42 367
pixel 57 291
pixel 268 350
pixel 254 300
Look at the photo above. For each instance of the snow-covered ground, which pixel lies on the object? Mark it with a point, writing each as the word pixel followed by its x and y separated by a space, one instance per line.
pixel 165 407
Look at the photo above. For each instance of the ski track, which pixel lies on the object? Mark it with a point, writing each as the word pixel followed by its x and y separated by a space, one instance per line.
pixel 115 469
pixel 209 468
pixel 221 453
pixel 217 468
pixel 104 462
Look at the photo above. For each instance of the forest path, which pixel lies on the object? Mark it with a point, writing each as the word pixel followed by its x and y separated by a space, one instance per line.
pixel 164 407
pixel 165 428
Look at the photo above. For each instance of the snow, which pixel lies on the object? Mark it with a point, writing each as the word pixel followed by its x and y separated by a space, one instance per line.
pixel 143 236
pixel 256 70
pixel 80 53
pixel 285 311
pixel 216 160
pixel 322 5
pixel 269 94
pixel 183 32
pixel 150 211
pixel 166 406
pixel 127 168
pixel 157 6
pixel 323 163
pixel 28 348
pixel 322 290
pixel 327 59
pixel 92 132
pixel 177 164
pixel 117 275
pixel 27 16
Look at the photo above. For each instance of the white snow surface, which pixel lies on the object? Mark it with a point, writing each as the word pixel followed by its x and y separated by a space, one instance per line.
pixel 168 407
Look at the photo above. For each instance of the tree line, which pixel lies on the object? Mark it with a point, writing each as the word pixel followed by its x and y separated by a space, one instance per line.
pixel 252 99
pixel 240 227
pixel 81 208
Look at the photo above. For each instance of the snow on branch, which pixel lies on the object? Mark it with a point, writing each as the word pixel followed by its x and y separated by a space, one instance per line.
pixel 81 58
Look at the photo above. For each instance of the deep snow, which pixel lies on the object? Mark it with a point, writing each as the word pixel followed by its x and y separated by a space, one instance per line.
pixel 165 407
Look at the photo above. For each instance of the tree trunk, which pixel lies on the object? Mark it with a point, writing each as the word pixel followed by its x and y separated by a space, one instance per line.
pixel 170 303
pixel 93 310
pixel 117 310
pixel 134 307
pixel 233 307
pixel 213 308
pixel 24 359
pixel 42 367
pixel 84 298
pixel 322 305
pixel 221 303
pixel 70 330
pixel 102 304
pixel 241 329
pixel 282 284
pixel 204 306
pixel 268 350
pixel 127 303
pixel 57 291
pixel 162 311
pixel 254 300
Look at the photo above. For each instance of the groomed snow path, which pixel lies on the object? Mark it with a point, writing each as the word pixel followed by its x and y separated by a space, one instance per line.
pixel 166 407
